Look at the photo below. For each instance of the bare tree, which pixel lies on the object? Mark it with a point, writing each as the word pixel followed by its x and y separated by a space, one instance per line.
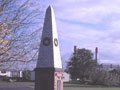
pixel 19 32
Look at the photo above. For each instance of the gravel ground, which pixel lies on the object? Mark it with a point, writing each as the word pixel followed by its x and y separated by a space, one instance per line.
pixel 15 88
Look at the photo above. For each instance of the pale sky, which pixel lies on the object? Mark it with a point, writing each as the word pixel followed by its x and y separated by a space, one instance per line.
pixel 88 24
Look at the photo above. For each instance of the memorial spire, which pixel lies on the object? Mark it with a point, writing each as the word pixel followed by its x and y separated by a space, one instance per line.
pixel 49 52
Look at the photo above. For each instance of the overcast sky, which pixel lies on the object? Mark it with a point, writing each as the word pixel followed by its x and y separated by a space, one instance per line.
pixel 88 24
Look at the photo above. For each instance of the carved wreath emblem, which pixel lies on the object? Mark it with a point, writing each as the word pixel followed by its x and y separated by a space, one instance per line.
pixel 56 42
pixel 46 41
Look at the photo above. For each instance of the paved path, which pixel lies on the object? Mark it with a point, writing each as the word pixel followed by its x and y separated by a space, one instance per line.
pixel 15 88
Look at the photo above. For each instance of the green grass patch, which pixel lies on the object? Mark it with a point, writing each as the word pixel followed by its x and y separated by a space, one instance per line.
pixel 66 86
pixel 26 84
pixel 87 87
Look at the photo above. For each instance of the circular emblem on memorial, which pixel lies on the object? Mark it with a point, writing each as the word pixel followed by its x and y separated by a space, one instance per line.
pixel 56 42
pixel 46 41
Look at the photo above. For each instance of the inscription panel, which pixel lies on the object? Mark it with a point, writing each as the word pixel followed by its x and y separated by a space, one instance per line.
pixel 58 84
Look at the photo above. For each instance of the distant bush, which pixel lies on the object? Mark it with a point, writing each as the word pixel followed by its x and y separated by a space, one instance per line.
pixel 6 78
pixel 1 78
pixel 106 78
pixel 26 75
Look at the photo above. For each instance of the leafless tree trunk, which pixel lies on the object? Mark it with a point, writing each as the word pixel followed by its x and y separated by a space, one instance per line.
pixel 19 32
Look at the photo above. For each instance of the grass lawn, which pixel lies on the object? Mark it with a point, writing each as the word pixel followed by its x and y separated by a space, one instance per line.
pixel 83 88
pixel 66 86
pixel 88 87
pixel 26 84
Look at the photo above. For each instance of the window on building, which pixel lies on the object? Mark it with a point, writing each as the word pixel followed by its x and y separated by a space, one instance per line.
pixel 3 71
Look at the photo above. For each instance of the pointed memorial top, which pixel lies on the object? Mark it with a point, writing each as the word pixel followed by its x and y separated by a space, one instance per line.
pixel 50 7
pixel 49 52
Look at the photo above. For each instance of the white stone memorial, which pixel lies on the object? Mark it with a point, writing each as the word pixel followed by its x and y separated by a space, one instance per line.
pixel 49 53
pixel 48 72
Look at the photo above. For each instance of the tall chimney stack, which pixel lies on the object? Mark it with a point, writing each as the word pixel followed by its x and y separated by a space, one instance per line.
pixel 96 54
pixel 75 49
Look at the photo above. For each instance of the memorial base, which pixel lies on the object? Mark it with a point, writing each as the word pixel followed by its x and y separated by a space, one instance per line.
pixel 48 79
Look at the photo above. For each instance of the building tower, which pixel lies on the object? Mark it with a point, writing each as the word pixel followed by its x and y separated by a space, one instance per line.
pixel 48 72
